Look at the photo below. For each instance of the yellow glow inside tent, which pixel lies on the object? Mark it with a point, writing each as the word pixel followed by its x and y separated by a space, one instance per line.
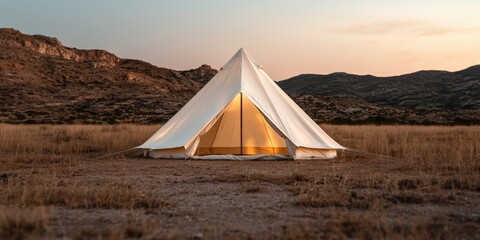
pixel 242 129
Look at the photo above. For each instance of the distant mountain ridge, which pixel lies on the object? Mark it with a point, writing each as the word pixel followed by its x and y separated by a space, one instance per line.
pixel 428 96
pixel 42 81
pixel 436 89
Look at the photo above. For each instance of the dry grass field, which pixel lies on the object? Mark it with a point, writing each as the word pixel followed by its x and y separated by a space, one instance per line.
pixel 51 188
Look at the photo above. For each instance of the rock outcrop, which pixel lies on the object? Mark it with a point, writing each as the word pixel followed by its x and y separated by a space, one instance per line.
pixel 202 74
pixel 50 46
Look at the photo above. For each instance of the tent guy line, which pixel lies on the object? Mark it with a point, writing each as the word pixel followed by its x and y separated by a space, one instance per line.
pixel 241 114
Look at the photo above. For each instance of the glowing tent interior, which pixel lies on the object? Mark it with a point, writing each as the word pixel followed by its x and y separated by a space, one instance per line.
pixel 241 113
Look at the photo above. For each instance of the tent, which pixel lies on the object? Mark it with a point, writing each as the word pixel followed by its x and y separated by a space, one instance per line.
pixel 241 113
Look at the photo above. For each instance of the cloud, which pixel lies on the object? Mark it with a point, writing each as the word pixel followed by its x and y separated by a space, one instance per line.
pixel 457 56
pixel 416 28
pixel 436 30
pixel 378 27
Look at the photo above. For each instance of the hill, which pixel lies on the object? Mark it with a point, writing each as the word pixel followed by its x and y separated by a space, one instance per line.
pixel 422 97
pixel 42 81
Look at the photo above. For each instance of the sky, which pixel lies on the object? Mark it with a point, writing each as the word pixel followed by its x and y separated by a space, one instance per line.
pixel 378 37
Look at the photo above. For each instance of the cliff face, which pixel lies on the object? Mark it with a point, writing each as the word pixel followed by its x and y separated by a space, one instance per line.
pixel 50 46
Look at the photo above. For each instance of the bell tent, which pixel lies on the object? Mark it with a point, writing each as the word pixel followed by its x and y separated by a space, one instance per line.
pixel 241 113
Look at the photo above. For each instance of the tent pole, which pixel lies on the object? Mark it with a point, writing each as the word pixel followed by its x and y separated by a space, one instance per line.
pixel 241 123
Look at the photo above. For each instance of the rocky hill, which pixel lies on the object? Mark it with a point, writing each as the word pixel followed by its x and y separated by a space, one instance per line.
pixel 42 81
pixel 426 97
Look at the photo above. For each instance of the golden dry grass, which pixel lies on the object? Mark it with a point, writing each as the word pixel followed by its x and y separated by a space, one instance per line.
pixel 432 189
pixel 423 146
pixel 51 143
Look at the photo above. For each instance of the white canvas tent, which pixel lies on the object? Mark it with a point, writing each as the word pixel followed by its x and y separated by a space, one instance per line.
pixel 241 114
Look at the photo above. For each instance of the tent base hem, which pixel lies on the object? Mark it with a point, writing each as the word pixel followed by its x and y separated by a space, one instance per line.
pixel 243 157
pixel 301 154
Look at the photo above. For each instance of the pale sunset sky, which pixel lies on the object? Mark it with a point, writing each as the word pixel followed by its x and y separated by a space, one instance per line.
pixel 379 37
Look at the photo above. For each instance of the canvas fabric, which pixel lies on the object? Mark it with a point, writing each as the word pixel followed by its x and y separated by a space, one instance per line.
pixel 210 123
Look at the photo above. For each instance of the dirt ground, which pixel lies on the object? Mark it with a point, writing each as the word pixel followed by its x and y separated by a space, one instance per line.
pixel 263 199
pixel 132 197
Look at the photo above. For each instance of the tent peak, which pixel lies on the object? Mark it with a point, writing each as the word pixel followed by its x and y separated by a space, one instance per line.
pixel 241 51
pixel 243 57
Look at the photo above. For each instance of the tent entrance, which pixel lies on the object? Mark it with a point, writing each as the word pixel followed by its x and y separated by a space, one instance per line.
pixel 241 130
